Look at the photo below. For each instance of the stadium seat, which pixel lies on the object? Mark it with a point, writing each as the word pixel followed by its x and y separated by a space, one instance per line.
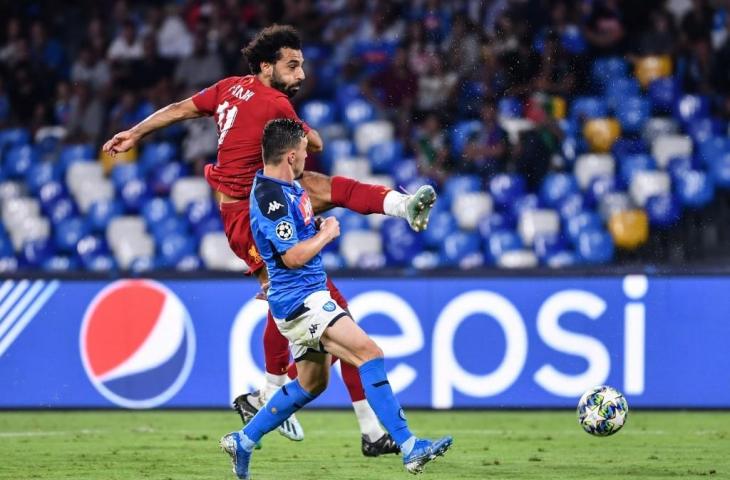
pixel 358 243
pixel 678 165
pixel 336 149
pixel 491 223
pixel 426 260
pixel 606 70
pixel 60 210
pixel 173 247
pixel 663 93
pixel 555 187
pixel 131 246
pixel 614 202
pixel 663 210
pixel 370 133
pixel 189 263
pixel 156 209
pixel 586 108
pixel 461 133
pixel 172 225
pixel 632 113
pixel 16 209
pixel 509 107
pixel 81 172
pixel 35 251
pixel 645 184
pixel 216 254
pixel 629 146
pixel 122 226
pixel 500 242
pixel 101 263
pixel 658 126
pixel 516 259
pixel 371 261
pixel 582 221
pixel 469 208
pixel 537 222
pixel 703 129
pixel 619 90
pixel 318 113
pixel 91 191
pixel 562 259
pixel 548 244
pixel 720 171
pixel 458 184
pixel 6 246
pixel 143 265
pixel 632 164
pixel 594 246
pixel 18 161
pixel 71 154
pixel 523 204
pixel 506 188
pixel 459 245
pixel 68 233
pixel 440 225
pixel 90 246
pixel 29 228
pixel 690 108
pixel 134 193
pixel 601 133
pixel 155 155
pixel 665 147
pixel 383 156
pixel 648 69
pixel 356 112
pixel 712 148
pixel 123 173
pixel 187 190
pixel 400 242
pixel 59 263
pixel 14 137
pixel 629 229
pixel 571 206
pixel 208 225
pixel 332 261
pixel 10 189
pixel 590 166
pixel 49 193
pixel 163 177
pixel 404 171
pixel 38 175
pixel 694 189
pixel 200 210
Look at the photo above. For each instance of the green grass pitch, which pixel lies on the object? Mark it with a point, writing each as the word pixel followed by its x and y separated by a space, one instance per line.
pixel 487 445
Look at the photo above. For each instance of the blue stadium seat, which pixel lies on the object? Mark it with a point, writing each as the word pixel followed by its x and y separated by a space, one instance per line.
pixel 318 113
pixel 587 108
pixel 142 265
pixel 720 171
pixel 6 246
pixel 61 209
pixel 704 129
pixel 499 242
pixel 628 146
pixel 400 242
pixel 60 263
pixel 524 203
pixel 165 176
pixel 712 148
pixel 14 137
pixel 582 221
pixel 562 259
pixel 573 41
pixel 208 225
pixel 492 223
pixel 134 193
pixel 38 175
pixel 631 164
pixel 200 210
pixel 50 193
pixel 34 252
pixel 19 159
pixel 505 188
pixel 594 246
pixel 189 263
pixel 458 245
pixel 690 108
pixel 74 153
pixel 173 248
pixel 632 113
pixel 694 189
pixel 404 171
pixel 547 245
pixel 619 89
pixel 165 227
pixel 154 155
pixel 606 70
pixel 678 165
pixel 90 246
pixel 663 93
pixel 67 234
pixel 457 184
pixel 509 107
pixel 440 225
pixel 123 173
pixel 426 260
pixel 460 134
pixel 663 210
pixel 571 206
pixel 384 156
pixel 349 220
pixel 100 263
pixel 356 112
pixel 345 94
pixel 338 148
pixel 555 187
pixel 101 212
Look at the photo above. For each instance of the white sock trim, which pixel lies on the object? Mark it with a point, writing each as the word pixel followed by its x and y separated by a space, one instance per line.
pixel 369 424
pixel 408 445
pixel 273 384
pixel 394 204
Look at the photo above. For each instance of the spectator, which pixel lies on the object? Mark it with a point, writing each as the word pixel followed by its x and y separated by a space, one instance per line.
pixel 461 48
pixel 486 152
pixel 13 36
pixel 47 51
pixel 395 88
pixel 660 38
pixel 173 38
pixel 151 68
pixel 603 28
pixel 556 74
pixel 201 69
pixel 127 45
pixel 88 68
pixel 436 87
pixel 85 115
pixel 429 144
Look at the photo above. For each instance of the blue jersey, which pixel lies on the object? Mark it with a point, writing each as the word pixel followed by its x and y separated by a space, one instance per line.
pixel 281 217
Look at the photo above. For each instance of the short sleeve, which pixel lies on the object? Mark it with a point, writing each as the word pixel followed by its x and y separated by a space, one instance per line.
pixel 284 109
pixel 275 219
pixel 206 100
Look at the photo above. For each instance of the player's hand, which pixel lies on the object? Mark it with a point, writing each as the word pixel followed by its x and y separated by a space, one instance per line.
pixel 330 227
pixel 121 142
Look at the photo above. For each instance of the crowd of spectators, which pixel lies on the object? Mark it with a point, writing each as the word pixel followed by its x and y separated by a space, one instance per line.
pixel 97 67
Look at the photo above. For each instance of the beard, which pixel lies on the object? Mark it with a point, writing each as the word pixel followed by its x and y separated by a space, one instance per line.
pixel 288 89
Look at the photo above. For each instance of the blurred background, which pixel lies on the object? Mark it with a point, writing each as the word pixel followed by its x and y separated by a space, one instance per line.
pixel 558 133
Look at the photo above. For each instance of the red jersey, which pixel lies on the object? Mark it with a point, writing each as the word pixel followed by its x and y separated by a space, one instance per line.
pixel 241 106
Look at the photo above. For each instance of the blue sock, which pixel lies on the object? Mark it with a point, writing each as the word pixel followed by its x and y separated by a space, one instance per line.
pixel 290 398
pixel 383 402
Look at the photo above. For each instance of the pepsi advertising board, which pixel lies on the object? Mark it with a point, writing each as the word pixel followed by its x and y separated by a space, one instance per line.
pixel 449 342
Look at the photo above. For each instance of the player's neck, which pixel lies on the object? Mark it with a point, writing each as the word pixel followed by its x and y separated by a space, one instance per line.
pixel 266 81
pixel 282 171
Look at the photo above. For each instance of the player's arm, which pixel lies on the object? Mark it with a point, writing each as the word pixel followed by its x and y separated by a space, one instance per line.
pixel 298 255
pixel 175 112
pixel 314 142
pixel 286 110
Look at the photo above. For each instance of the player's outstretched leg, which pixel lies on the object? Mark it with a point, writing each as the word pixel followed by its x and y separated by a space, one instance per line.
pixel 240 445
pixel 327 192
pixel 348 341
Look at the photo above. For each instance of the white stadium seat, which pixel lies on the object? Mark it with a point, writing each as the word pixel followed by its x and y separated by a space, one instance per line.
pixel 131 247
pixel 517 259
pixel 469 208
pixel 83 172
pixel 30 228
pixel 515 126
pixel 614 202
pixel 187 190
pixel 15 210
pixel 90 191
pixel 10 190
pixel 593 165
pixel 537 222
pixel 665 147
pixel 122 227
pixel 657 126
pixel 217 254
pixel 352 167
pixel 358 243
pixel 645 184
pixel 372 133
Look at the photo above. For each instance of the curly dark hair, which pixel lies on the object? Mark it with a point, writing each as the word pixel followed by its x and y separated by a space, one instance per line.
pixel 266 45
pixel 280 136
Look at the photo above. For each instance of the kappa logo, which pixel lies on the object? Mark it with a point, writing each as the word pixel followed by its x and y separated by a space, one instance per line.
pixel 313 329
pixel 284 230
pixel 274 206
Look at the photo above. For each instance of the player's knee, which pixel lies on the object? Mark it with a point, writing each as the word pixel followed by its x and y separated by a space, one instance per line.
pixel 316 386
pixel 371 351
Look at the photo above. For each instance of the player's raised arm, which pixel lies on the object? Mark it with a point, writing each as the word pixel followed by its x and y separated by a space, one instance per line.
pixel 175 112
pixel 315 143
pixel 302 252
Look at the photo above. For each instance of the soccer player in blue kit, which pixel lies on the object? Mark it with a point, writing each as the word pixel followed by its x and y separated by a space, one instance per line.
pixel 290 241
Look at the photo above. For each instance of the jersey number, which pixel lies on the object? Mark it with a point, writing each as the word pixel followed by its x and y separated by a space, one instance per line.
pixel 226 116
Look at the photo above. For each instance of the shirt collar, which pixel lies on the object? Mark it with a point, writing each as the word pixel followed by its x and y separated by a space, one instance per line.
pixel 260 174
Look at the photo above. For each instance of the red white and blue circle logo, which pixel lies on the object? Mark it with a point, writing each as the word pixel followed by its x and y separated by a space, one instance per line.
pixel 137 343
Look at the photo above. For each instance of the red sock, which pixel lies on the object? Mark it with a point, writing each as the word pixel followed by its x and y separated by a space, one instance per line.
pixel 276 348
pixel 359 197
pixel 351 377
pixel 292 371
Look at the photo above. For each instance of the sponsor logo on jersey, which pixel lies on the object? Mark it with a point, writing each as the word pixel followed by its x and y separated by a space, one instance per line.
pixel 137 343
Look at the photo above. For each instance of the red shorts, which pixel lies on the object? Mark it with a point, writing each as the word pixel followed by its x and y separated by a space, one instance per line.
pixel 235 216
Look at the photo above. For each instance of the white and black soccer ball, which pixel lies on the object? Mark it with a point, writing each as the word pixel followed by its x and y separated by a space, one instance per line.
pixel 284 230
pixel 602 411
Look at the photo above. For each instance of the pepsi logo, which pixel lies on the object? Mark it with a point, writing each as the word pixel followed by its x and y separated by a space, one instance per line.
pixel 137 343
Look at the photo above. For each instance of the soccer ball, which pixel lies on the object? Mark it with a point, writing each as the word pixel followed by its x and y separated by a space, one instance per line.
pixel 602 411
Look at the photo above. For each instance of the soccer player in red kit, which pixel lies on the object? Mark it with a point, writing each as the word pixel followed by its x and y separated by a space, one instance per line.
pixel 241 107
